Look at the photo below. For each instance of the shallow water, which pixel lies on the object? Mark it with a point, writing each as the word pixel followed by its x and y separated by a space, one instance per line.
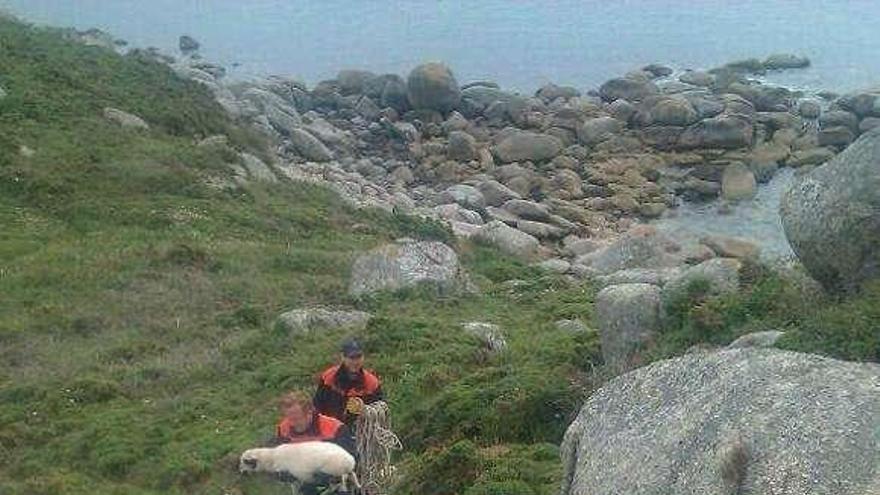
pixel 757 220
pixel 522 44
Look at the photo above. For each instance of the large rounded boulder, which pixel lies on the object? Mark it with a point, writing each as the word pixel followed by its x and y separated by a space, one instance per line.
pixel 743 421
pixel 406 264
pixel 831 217
pixel 432 86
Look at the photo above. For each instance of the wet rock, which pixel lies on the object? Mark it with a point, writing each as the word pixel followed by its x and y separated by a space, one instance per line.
pixel 723 131
pixel 551 92
pixel 839 136
pixel 738 183
pixel 697 78
pixel 673 112
pixel 735 411
pixel 781 61
pixel 432 86
pixel 298 322
pixel 527 146
pixel 628 316
pixel 839 118
pixel 809 109
pixel 508 240
pixel 628 89
pixel 809 157
pixel 406 263
pixel 732 247
pixel 830 216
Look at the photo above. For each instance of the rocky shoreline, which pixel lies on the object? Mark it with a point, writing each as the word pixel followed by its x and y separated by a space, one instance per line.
pixel 556 174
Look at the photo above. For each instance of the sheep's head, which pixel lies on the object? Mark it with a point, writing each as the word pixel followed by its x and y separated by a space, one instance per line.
pixel 249 461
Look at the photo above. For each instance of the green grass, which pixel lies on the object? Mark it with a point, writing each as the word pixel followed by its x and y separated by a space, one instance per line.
pixel 138 350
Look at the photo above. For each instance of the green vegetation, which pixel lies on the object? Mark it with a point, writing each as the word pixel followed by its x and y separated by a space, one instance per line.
pixel 138 351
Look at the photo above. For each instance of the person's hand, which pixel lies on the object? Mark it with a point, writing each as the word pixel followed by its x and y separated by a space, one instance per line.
pixel 355 405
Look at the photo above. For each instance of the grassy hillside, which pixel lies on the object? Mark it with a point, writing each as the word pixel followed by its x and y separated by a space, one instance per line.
pixel 138 351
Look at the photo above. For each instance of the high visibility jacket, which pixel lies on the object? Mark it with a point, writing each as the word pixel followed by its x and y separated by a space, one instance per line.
pixel 321 428
pixel 335 387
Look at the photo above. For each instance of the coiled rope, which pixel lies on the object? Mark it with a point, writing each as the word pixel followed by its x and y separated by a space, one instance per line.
pixel 375 441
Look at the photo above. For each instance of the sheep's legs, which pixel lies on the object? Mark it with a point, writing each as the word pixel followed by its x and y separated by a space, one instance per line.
pixel 354 480
pixel 294 487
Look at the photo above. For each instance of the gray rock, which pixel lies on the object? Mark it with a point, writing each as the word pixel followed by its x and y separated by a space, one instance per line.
pixel 839 118
pixel 551 92
pixel 869 123
pixel 2 93
pixel 508 239
pixel 462 147
pixel 527 146
pixel 838 136
pixel 456 213
pixel 571 326
pixel 721 276
pixel 809 109
pixel 575 247
pixel 723 131
pixel 657 277
pixel 746 421
pixel 674 112
pixel 406 263
pixel 540 230
pixel 780 61
pixel 257 168
pixel 467 196
pixel 528 210
pixel 367 108
pixel 304 321
pixel 831 217
pixel 394 95
pixel 732 247
pixel 738 182
pixel 658 70
pixel 125 119
pixel 555 265
pixel 596 130
pixel 628 89
pixel 188 44
pixel 352 81
pixel 641 247
pixel 496 193
pixel 309 146
pixel 697 78
pixel 628 316
pixel 812 156
pixel 490 334
pixel 432 86
pixel 862 104
pixel 757 339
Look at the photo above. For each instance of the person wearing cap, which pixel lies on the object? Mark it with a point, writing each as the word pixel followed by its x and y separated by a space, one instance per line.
pixel 345 388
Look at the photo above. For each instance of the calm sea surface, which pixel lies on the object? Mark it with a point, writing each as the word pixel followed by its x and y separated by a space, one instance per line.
pixel 520 44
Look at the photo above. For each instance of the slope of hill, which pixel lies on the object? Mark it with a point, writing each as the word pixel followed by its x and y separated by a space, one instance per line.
pixel 139 287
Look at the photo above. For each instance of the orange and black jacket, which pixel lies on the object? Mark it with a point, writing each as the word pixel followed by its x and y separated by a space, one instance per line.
pixel 322 428
pixel 336 386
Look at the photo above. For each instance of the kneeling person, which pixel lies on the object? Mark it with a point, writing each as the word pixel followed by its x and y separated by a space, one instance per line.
pixel 301 423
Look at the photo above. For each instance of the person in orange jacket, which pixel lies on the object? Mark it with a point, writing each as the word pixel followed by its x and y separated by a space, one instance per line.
pixel 345 388
pixel 300 422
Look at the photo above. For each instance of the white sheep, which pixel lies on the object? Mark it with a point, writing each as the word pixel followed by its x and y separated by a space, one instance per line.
pixel 303 461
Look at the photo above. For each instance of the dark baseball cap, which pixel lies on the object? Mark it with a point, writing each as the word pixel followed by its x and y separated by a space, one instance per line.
pixel 352 349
